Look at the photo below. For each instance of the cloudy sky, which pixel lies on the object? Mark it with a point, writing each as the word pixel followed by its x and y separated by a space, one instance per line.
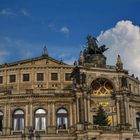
pixel 26 26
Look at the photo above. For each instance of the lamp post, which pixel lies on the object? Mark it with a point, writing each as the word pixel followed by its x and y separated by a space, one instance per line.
pixel 37 137
pixel 23 136
pixel 30 136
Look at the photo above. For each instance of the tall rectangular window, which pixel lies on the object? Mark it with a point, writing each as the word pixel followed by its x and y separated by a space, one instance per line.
pixel 40 76
pixel 26 77
pixel 67 76
pixel 12 78
pixel 54 76
pixel 1 79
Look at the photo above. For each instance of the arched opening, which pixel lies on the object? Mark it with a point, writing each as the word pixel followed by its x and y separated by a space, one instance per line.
pixel 62 118
pixel 138 121
pixel 18 120
pixel 102 86
pixel 1 120
pixel 40 119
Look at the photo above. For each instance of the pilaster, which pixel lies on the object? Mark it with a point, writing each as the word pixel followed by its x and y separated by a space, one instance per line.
pixel 52 119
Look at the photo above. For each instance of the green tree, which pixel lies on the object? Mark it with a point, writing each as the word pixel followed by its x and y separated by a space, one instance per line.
pixel 101 117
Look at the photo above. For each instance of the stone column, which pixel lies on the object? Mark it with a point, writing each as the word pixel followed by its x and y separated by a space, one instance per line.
pixel 77 109
pixel 31 116
pixel 88 108
pixel 74 114
pixel 85 109
pixel 71 116
pixel 131 117
pixel 126 110
pixel 123 110
pixel 5 119
pixel 118 112
pixel 134 117
pixel 52 120
pixel 8 119
pixel 18 79
pixel 47 77
pixel 49 118
pixel 26 118
pixel 6 78
pixel 33 78
pixel 61 79
pixel 53 114
pixel 82 110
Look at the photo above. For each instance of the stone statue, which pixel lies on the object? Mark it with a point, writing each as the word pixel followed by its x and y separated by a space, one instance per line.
pixel 45 51
pixel 78 78
pixel 119 64
pixel 124 82
pixel 76 75
pixel 102 49
pixel 83 78
pixel 92 46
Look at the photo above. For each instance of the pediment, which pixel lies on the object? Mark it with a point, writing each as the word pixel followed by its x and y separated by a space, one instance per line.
pixel 38 61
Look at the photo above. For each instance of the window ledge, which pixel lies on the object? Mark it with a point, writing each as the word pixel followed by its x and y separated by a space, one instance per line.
pixel 1 132
pixel 16 132
pixel 62 131
pixel 40 131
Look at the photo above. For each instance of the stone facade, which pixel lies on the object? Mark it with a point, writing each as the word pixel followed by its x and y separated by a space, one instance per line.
pixel 40 100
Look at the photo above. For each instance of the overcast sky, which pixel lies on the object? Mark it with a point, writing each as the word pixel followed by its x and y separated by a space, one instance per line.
pixel 26 26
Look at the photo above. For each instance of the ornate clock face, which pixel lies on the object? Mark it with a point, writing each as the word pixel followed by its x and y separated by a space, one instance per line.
pixel 102 86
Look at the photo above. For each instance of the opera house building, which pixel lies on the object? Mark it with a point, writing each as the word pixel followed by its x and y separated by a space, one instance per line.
pixel 45 99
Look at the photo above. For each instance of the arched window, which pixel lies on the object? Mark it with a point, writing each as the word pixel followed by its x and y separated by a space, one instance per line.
pixel 1 121
pixel 18 120
pixel 40 119
pixel 138 121
pixel 102 87
pixel 62 119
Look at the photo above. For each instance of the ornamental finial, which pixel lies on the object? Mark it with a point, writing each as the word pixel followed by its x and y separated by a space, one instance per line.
pixel 45 51
pixel 119 64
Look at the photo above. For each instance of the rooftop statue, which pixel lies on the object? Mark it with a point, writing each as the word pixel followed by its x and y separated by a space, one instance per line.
pixel 92 46
pixel 45 51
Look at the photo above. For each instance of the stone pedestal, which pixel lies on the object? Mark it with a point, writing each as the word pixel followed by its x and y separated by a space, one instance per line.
pixel 51 130
pixel 8 131
pixel 80 127
pixel 98 60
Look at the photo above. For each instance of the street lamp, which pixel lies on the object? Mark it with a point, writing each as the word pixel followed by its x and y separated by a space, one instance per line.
pixel 94 138
pixel 23 136
pixel 30 136
pixel 37 137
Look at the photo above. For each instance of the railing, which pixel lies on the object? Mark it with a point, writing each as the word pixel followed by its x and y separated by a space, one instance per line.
pixel 111 128
pixel 62 131
pixel 136 131
pixel 40 132
pixel 53 91
pixel 17 132
pixel 106 128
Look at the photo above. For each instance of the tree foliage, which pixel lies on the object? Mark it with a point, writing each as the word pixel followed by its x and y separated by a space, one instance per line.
pixel 101 117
